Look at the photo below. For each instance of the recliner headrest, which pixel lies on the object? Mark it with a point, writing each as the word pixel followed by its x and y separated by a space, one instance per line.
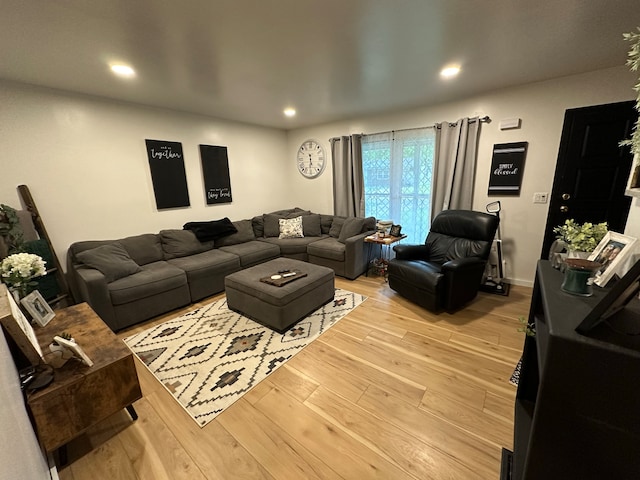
pixel 466 224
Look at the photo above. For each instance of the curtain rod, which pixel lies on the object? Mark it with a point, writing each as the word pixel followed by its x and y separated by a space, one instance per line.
pixel 485 119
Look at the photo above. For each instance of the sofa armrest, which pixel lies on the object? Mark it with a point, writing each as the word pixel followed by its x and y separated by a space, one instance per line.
pixel 411 252
pixel 355 255
pixel 92 288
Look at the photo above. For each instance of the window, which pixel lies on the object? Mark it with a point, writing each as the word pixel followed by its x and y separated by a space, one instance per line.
pixel 398 173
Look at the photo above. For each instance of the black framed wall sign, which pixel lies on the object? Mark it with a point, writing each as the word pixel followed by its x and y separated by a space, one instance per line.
pixel 215 170
pixel 166 162
pixel 507 168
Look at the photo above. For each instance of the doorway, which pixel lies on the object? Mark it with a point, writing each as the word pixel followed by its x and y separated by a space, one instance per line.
pixel 592 169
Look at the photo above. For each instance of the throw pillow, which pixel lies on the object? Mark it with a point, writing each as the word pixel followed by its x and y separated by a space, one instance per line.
pixel 112 260
pixel 244 234
pixel 352 226
pixel 336 226
pixel 181 243
pixel 311 225
pixel 291 228
pixel 325 222
pixel 272 224
pixel 258 225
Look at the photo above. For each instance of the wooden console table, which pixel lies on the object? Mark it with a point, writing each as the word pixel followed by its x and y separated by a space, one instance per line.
pixel 81 396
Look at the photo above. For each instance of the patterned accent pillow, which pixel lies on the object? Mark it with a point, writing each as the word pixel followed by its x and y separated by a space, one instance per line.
pixel 291 227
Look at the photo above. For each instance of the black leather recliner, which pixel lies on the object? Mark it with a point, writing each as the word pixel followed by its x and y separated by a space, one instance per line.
pixel 446 272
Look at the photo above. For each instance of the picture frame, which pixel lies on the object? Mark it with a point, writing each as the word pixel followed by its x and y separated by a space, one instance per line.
pixel 395 230
pixel 611 252
pixel 624 290
pixel 38 308
pixel 19 328
pixel 77 350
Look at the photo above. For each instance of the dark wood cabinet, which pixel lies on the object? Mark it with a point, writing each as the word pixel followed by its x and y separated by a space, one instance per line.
pixel 577 409
pixel 81 396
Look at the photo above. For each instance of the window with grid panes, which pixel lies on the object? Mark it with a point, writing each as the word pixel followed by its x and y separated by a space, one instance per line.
pixel 398 174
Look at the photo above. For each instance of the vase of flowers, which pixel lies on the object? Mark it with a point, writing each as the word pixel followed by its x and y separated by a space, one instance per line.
pixel 580 239
pixel 19 270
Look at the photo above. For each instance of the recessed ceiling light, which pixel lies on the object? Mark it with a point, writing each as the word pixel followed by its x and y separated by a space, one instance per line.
pixel 290 112
pixel 450 71
pixel 123 70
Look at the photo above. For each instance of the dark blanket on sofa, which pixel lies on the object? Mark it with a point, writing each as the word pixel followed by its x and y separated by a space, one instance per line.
pixel 213 230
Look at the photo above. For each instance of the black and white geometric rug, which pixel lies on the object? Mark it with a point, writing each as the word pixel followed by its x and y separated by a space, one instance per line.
pixel 515 376
pixel 210 357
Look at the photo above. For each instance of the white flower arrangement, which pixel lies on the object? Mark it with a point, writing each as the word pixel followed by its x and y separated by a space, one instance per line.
pixel 19 269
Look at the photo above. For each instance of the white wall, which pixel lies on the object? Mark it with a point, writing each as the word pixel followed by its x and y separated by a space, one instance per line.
pixel 85 163
pixel 541 106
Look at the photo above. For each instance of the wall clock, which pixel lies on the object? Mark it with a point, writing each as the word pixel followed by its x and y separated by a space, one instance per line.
pixel 310 159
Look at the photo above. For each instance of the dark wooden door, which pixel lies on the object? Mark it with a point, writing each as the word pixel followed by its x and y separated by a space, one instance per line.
pixel 592 169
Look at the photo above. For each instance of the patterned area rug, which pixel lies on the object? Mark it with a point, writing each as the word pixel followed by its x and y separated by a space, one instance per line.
pixel 515 376
pixel 210 357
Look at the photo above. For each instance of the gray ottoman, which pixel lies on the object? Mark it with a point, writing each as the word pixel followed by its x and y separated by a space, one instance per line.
pixel 279 307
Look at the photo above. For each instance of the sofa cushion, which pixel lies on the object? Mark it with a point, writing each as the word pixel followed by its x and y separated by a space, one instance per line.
pixel 213 230
pixel 143 249
pixel 290 227
pixel 180 243
pixel 272 224
pixel 205 263
pixel 329 248
pixel 325 223
pixel 112 261
pixel 257 223
pixel 352 226
pixel 254 252
pixel 291 246
pixel 297 213
pixel 153 279
pixel 244 233
pixel 311 226
pixel 336 226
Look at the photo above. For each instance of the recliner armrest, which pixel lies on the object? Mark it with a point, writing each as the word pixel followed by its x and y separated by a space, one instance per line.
pixel 411 252
pixel 463 263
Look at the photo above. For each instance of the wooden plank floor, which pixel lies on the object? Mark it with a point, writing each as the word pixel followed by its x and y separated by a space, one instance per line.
pixel 390 392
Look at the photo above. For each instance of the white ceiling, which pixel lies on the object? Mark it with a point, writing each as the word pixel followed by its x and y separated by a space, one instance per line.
pixel 247 60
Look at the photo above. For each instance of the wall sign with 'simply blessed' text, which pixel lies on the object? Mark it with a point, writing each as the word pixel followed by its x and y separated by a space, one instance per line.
pixel 167 173
pixel 507 167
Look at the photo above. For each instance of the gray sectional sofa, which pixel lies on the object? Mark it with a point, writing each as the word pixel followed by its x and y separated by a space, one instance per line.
pixel 132 279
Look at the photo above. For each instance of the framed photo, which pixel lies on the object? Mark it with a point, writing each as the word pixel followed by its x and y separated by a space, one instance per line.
pixel 395 230
pixel 38 308
pixel 18 326
pixel 75 348
pixel 610 252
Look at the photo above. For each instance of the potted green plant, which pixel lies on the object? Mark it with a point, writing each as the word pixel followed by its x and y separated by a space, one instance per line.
pixel 580 239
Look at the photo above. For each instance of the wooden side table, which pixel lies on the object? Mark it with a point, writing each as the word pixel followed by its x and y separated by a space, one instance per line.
pixel 385 241
pixel 81 396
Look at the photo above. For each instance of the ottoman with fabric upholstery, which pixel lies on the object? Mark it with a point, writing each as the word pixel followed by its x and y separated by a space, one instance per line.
pixel 279 307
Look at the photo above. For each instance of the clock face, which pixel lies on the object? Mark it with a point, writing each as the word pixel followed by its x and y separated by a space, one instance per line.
pixel 310 159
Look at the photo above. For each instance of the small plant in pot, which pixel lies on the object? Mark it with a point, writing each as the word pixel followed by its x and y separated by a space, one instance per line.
pixel 580 239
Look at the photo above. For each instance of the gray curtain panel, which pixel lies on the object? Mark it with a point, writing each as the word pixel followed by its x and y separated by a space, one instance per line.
pixel 455 165
pixel 348 181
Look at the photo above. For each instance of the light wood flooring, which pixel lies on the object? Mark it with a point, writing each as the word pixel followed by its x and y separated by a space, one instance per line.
pixel 390 392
